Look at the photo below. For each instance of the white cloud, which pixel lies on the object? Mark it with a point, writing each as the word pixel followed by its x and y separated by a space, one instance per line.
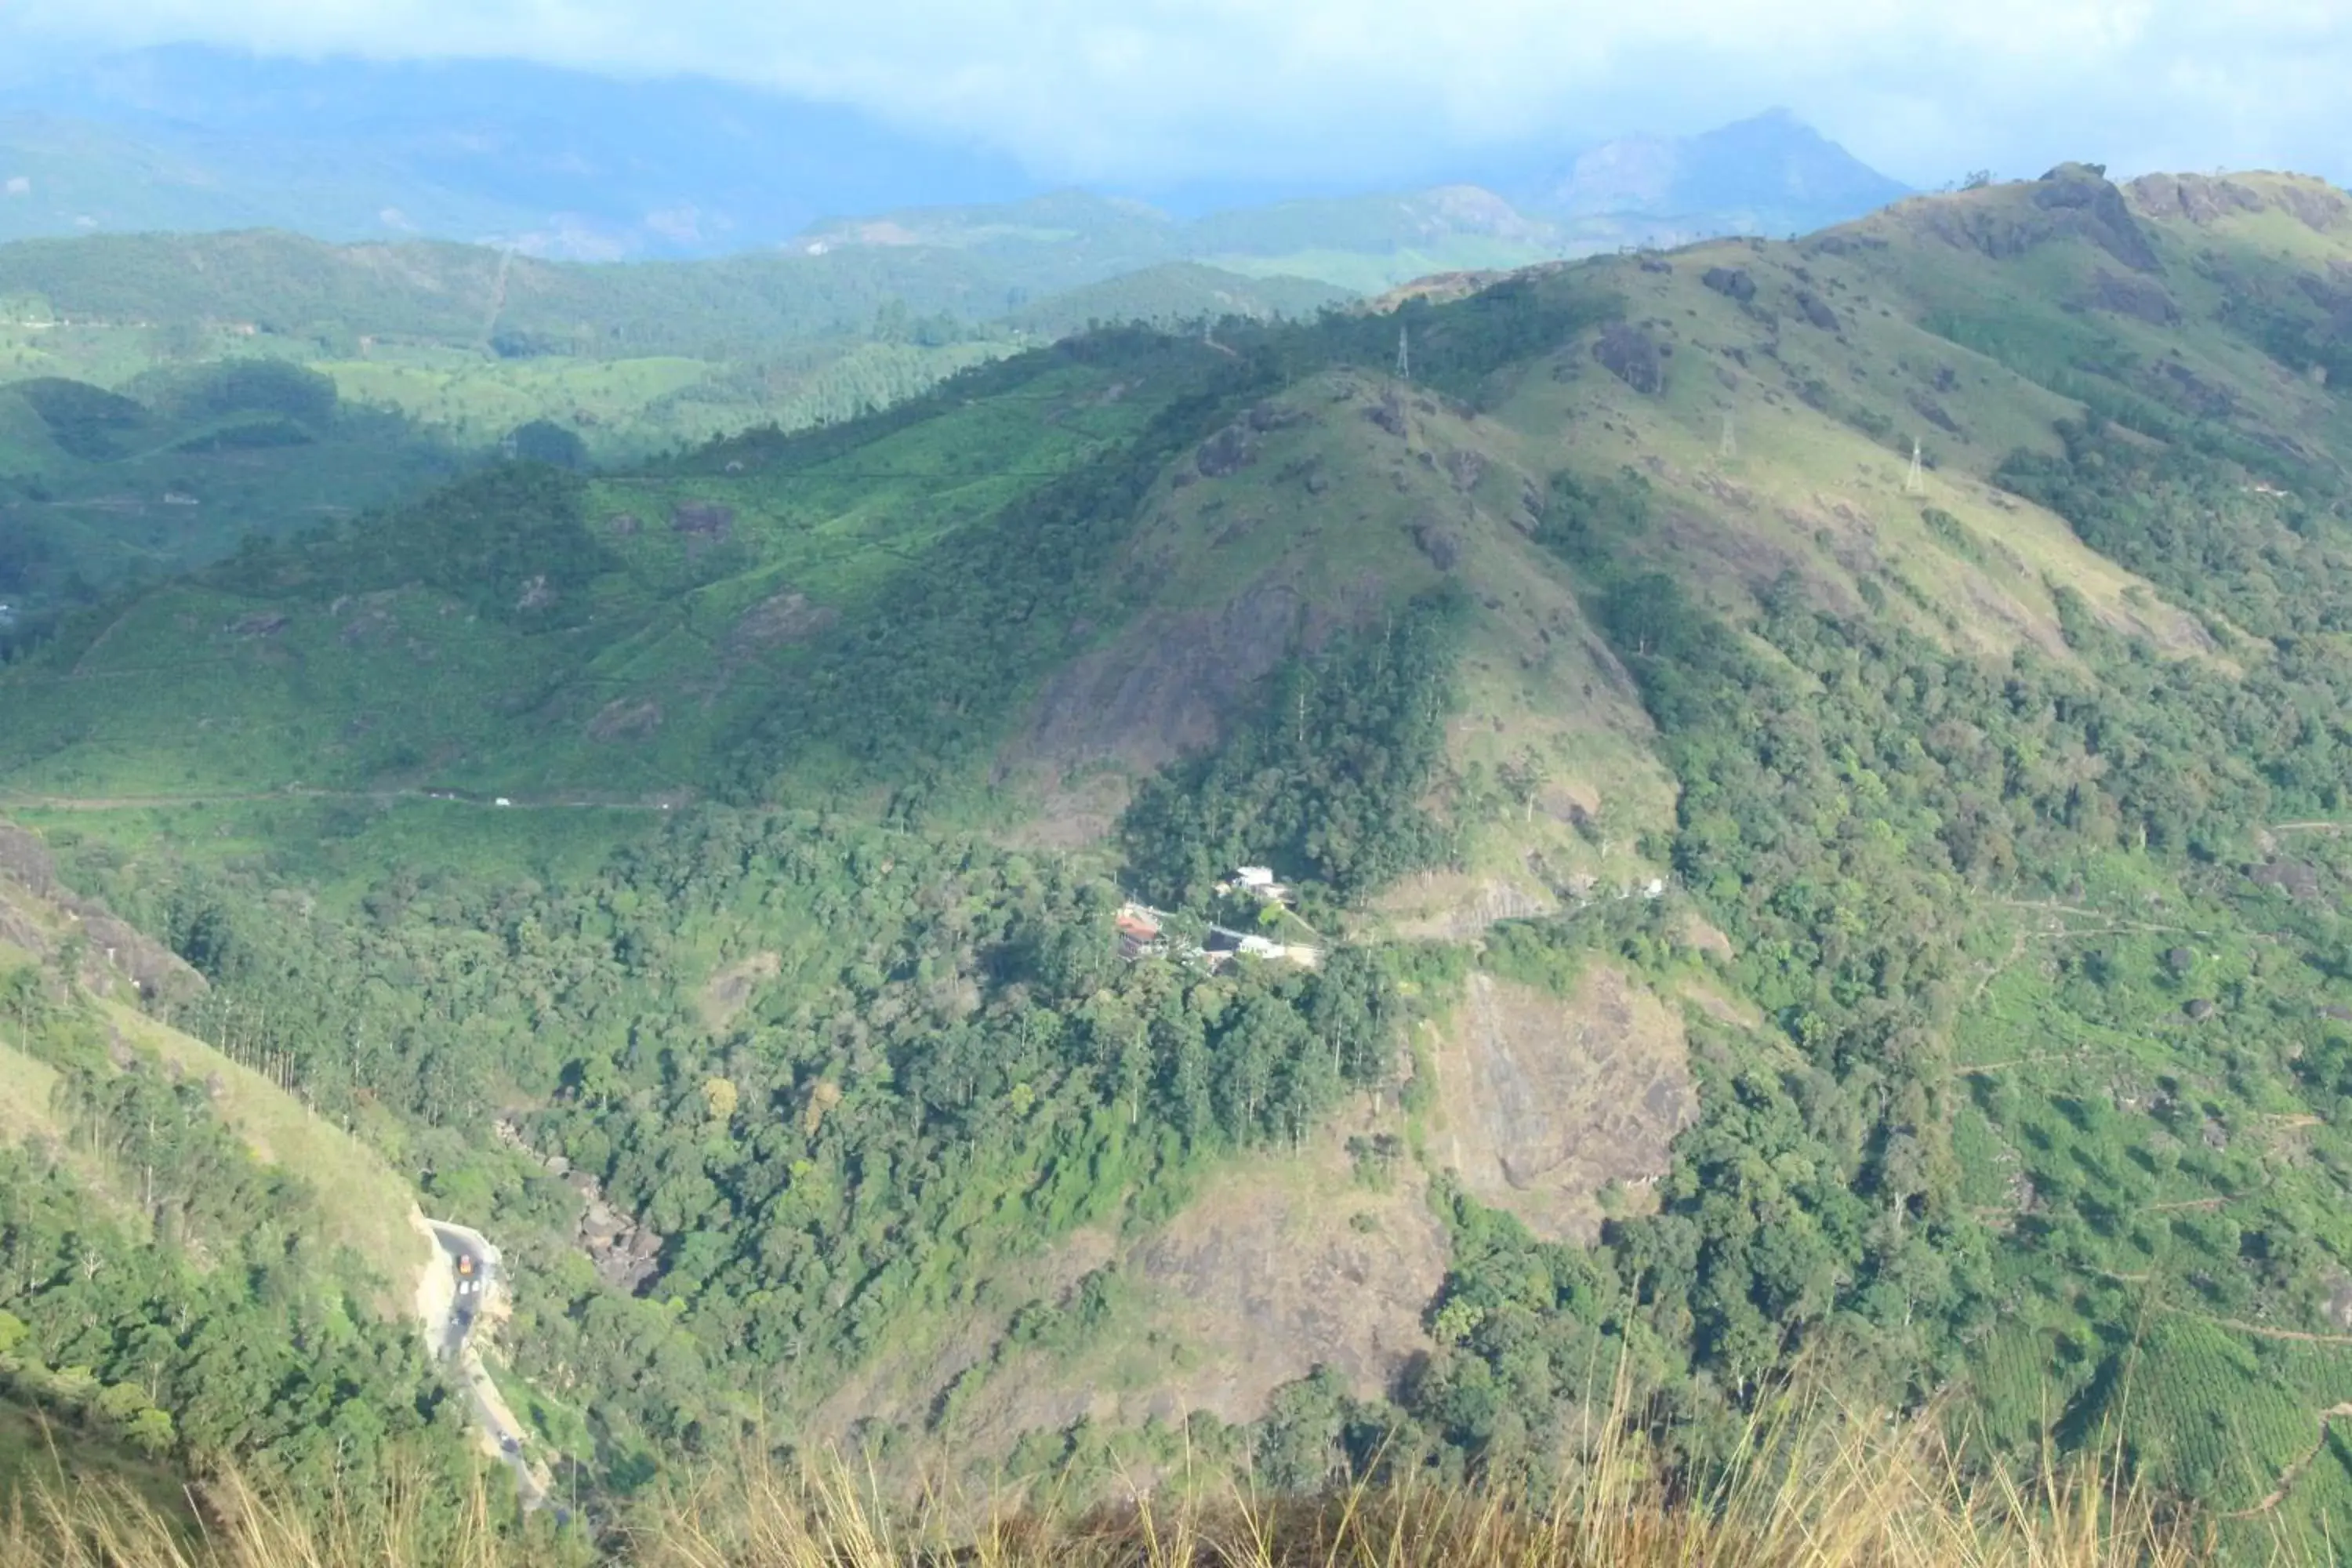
pixel 18 185
pixel 1144 89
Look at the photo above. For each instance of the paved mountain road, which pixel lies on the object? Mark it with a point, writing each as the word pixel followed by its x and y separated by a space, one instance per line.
pixel 464 1281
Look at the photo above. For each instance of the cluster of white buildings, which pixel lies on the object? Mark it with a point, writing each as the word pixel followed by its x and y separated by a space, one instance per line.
pixel 1141 929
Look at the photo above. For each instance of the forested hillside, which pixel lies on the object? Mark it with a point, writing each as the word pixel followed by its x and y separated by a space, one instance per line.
pixel 193 1263
pixel 1811 781
pixel 163 397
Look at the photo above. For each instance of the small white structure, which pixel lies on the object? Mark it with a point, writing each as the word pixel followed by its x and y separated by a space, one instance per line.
pixel 502 800
pixel 1258 881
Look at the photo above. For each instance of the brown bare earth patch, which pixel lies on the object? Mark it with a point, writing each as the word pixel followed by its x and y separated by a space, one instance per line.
pixel 1164 688
pixel 730 987
pixel 1269 1281
pixel 1546 1100
pixel 1279 1264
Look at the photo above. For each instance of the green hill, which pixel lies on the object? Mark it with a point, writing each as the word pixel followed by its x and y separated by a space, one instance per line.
pixel 1815 772
pixel 435 356
pixel 197 1263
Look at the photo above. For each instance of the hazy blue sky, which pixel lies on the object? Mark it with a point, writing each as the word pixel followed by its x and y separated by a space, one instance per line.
pixel 1144 90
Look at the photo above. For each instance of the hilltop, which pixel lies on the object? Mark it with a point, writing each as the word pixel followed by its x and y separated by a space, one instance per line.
pixel 1814 772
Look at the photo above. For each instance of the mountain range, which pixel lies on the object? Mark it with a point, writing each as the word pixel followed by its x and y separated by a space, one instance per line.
pixel 568 164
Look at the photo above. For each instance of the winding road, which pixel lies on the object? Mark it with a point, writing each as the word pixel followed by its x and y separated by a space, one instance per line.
pixel 474 1278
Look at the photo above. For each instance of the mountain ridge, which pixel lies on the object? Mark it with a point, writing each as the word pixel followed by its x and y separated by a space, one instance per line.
pixel 570 165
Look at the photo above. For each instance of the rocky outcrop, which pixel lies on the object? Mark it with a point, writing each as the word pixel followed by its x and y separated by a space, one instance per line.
pixel 1731 283
pixel 2208 199
pixel 1229 451
pixel 1814 309
pixel 2071 201
pixel 1164 688
pixel 2098 211
pixel 1546 1100
pixel 627 1253
pixel 2141 299
pixel 1634 357
pixel 1442 543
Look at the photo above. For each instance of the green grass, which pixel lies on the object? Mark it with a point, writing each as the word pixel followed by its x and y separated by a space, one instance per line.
pixel 363 1203
pixel 41 1451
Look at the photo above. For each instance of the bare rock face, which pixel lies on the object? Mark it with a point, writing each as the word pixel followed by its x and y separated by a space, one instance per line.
pixel 2141 299
pixel 1547 1099
pixel 2073 200
pixel 1933 413
pixel 1274 1287
pixel 626 1253
pixel 1731 283
pixel 1814 309
pixel 26 858
pixel 2207 199
pixel 1164 690
pixel 1440 542
pixel 1229 451
pixel 1633 356
pixel 2105 216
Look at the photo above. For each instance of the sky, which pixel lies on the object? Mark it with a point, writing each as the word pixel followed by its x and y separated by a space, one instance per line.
pixel 1145 90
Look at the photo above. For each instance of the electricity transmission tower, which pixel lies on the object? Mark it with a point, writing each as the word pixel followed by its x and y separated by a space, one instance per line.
pixel 1915 483
pixel 1404 353
pixel 1728 448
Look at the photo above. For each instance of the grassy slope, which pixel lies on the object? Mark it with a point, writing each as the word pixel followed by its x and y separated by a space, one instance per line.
pixel 366 1205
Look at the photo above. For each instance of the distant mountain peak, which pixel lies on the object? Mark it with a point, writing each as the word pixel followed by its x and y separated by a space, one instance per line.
pixel 1770 173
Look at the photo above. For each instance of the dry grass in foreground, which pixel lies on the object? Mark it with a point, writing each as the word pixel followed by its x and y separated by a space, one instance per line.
pixel 1870 1497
